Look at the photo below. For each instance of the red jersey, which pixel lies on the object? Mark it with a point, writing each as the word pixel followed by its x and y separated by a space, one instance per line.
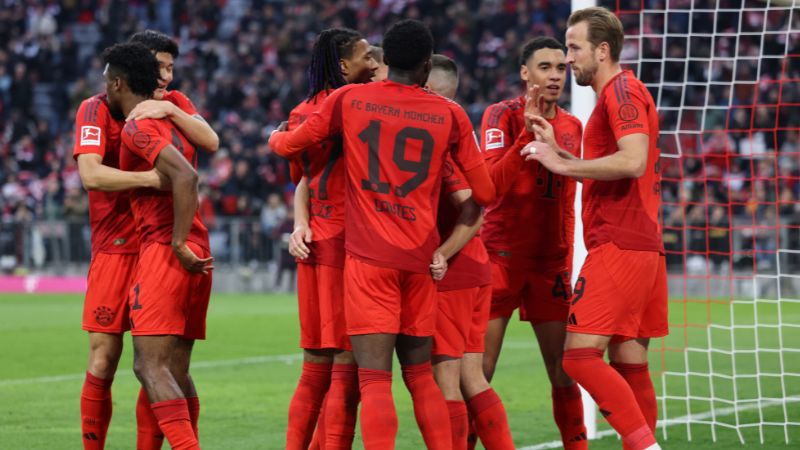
pixel 623 211
pixel 181 101
pixel 469 267
pixel 142 142
pixel 323 168
pixel 110 217
pixel 395 138
pixel 531 225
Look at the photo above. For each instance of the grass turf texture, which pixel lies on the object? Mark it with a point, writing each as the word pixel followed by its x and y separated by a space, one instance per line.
pixel 245 378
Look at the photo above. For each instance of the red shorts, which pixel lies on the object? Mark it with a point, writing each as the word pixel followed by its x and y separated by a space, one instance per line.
pixel 165 298
pixel 383 300
pixel 461 321
pixel 620 293
pixel 320 301
pixel 105 308
pixel 541 296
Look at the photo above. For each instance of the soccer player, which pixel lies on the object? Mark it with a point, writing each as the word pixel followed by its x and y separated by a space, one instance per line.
pixel 396 135
pixel 173 105
pixel 171 285
pixel 464 300
pixel 383 70
pixel 528 231
pixel 340 56
pixel 115 248
pixel 620 298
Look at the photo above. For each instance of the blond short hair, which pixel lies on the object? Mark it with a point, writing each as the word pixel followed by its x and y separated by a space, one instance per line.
pixel 603 26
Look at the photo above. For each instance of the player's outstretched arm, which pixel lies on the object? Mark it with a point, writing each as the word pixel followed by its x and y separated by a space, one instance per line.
pixel 630 160
pixel 183 179
pixel 469 223
pixel 301 236
pixel 96 176
pixel 194 127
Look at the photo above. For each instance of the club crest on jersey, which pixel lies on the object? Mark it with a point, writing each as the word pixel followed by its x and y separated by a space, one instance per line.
pixel 495 138
pixel 90 135
pixel 104 316
pixel 628 112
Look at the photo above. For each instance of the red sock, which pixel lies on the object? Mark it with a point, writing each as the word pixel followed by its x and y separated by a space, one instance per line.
pixel 378 416
pixel 148 434
pixel 472 435
pixel 612 394
pixel 194 414
pixel 95 411
pixel 491 422
pixel 459 423
pixel 320 432
pixel 638 378
pixel 306 403
pixel 430 407
pixel 568 413
pixel 341 407
pixel 314 445
pixel 173 419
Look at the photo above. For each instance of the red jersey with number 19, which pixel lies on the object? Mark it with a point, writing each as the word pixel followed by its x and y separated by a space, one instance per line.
pixel 142 142
pixel 323 168
pixel 531 226
pixel 396 137
pixel 623 211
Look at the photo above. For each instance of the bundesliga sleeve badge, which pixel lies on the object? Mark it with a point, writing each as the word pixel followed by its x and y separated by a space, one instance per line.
pixel 90 135
pixel 495 138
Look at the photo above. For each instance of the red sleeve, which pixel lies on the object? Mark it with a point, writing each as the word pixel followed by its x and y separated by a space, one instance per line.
pixel 182 102
pixel 91 123
pixel 570 190
pixel 452 178
pixel 463 142
pixel 296 170
pixel 627 109
pixel 501 154
pixel 142 137
pixel 483 190
pixel 320 125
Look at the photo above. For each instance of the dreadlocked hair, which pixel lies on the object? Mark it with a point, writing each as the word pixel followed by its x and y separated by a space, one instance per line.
pixel 331 45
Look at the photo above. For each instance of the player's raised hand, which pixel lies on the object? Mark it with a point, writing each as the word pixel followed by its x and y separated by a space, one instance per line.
pixel 283 126
pixel 543 129
pixel 438 266
pixel 152 109
pixel 546 155
pixel 297 241
pixel 534 105
pixel 191 262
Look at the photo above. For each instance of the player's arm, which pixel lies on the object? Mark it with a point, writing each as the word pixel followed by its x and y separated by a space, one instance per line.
pixel 96 176
pixel 302 233
pixel 322 124
pixel 467 156
pixel 469 223
pixel 193 126
pixel 502 156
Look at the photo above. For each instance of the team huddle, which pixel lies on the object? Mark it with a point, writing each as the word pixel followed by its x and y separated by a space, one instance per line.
pixel 411 235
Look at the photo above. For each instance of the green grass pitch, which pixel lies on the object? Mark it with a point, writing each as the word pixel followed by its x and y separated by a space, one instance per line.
pixel 247 369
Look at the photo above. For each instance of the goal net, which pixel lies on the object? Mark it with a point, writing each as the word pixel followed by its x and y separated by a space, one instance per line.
pixel 725 75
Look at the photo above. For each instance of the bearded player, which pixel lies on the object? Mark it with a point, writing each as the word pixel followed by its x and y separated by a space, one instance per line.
pixel 620 298
pixel 340 56
pixel 528 231
pixel 396 137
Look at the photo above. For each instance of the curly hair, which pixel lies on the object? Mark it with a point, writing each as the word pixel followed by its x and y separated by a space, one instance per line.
pixel 136 64
pixel 156 41
pixel 407 45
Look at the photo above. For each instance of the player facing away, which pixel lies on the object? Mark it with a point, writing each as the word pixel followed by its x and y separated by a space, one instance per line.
pixel 171 284
pixel 113 240
pixel 464 300
pixel 340 56
pixel 175 106
pixel 115 250
pixel 529 230
pixel 396 136
pixel 620 298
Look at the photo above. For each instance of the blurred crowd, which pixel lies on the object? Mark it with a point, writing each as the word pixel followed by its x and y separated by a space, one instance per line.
pixel 243 65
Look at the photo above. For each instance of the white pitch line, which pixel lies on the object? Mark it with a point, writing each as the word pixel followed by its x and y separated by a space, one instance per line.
pixel 286 359
pixel 680 420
